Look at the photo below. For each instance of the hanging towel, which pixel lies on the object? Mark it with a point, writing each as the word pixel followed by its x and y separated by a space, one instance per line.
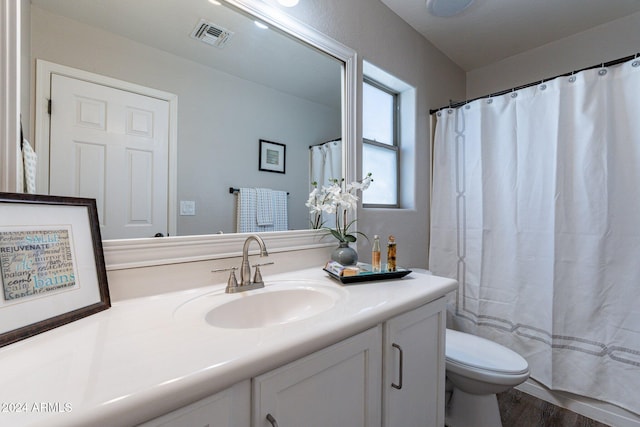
pixel 246 211
pixel 30 163
pixel 264 206
pixel 280 211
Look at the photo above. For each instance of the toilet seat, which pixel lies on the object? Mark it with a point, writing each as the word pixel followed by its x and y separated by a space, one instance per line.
pixel 475 353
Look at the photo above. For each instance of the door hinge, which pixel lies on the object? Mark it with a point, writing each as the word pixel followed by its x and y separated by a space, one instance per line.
pixel 49 107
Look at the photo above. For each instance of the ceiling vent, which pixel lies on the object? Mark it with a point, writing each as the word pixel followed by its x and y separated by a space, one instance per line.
pixel 211 34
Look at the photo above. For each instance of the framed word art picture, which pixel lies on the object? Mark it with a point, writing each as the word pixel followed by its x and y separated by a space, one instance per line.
pixel 52 268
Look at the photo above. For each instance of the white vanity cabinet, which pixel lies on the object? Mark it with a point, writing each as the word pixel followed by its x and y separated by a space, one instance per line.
pixel 228 408
pixel 391 375
pixel 414 367
pixel 337 386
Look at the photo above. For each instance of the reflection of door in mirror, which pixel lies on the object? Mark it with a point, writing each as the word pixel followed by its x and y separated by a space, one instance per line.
pixel 111 145
pixel 260 85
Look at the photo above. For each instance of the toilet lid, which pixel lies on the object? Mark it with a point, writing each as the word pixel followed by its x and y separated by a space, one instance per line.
pixel 481 353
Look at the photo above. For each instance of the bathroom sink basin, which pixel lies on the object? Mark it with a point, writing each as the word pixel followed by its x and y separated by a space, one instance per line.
pixel 277 303
pixel 269 308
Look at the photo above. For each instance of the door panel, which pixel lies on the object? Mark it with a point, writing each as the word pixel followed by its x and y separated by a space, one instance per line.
pixel 111 145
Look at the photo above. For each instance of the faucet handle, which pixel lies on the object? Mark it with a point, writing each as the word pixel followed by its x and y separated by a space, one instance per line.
pixel 232 282
pixel 257 276
pixel 263 263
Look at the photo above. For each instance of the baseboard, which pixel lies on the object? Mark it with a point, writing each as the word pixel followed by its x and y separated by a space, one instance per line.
pixel 600 411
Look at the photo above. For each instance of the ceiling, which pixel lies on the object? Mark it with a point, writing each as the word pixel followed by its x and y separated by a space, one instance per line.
pixel 491 30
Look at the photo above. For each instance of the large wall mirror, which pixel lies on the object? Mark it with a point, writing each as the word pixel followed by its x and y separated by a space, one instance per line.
pixel 294 86
pixel 280 82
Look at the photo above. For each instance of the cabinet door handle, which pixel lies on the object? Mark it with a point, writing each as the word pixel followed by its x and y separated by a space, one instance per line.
pixel 399 386
pixel 272 420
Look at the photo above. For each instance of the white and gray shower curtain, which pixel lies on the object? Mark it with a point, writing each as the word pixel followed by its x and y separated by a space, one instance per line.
pixel 536 212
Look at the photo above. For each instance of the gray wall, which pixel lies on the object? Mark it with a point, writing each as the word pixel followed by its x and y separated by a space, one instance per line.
pixel 607 42
pixel 220 119
pixel 383 39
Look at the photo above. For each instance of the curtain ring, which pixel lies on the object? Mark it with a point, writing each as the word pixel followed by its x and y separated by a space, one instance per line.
pixel 572 78
pixel 635 63
pixel 542 85
pixel 602 70
pixel 514 94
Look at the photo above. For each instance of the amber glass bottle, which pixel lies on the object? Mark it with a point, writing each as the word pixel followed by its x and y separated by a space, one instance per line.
pixel 375 254
pixel 391 254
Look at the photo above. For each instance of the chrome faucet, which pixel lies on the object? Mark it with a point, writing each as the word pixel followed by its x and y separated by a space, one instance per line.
pixel 246 284
pixel 245 268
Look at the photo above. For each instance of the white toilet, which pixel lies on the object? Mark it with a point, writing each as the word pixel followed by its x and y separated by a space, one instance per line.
pixel 477 369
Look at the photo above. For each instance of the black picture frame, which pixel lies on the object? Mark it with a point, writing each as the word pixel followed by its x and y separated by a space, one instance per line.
pixel 52 269
pixel 272 156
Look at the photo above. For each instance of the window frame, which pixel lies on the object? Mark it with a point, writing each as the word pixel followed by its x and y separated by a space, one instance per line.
pixel 395 146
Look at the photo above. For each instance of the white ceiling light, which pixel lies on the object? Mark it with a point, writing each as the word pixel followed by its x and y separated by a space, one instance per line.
pixel 288 3
pixel 446 8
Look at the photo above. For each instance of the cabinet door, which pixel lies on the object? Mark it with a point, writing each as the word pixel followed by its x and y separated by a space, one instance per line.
pixel 414 367
pixel 337 386
pixel 228 408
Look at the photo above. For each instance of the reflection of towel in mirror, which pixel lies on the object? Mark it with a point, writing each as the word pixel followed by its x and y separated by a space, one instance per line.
pixel 30 160
pixel 247 212
pixel 264 206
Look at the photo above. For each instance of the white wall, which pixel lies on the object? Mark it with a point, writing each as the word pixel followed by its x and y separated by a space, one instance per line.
pixel 383 39
pixel 221 119
pixel 607 42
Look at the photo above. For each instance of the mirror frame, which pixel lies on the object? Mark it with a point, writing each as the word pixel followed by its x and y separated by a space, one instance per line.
pixel 133 253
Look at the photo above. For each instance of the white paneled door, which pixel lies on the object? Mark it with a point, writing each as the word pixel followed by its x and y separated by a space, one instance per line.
pixel 111 145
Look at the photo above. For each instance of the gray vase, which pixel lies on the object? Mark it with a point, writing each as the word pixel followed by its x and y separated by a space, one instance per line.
pixel 344 254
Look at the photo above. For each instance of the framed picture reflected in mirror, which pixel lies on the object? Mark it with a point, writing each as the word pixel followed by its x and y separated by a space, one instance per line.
pixel 272 156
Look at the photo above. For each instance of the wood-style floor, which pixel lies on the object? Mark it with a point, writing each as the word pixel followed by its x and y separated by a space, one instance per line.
pixel 518 409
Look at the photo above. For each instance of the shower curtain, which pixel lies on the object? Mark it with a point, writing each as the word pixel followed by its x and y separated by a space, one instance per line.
pixel 326 164
pixel 536 212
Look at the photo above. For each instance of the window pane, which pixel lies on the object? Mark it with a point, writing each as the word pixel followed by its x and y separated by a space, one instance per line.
pixel 381 162
pixel 377 115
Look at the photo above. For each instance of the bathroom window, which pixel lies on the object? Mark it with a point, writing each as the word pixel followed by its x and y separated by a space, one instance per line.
pixel 380 148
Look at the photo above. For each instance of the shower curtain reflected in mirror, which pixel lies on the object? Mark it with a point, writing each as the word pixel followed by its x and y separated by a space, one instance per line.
pixel 326 164
pixel 536 212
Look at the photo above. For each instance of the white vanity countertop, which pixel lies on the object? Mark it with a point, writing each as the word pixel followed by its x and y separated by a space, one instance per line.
pixel 143 357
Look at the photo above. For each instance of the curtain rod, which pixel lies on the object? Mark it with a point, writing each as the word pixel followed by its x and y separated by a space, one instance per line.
pixel 457 104
pixel 326 142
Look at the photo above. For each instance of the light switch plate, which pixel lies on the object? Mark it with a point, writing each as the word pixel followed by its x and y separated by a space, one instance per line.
pixel 187 207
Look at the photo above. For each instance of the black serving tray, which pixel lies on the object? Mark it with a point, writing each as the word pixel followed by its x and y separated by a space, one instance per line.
pixel 366 275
